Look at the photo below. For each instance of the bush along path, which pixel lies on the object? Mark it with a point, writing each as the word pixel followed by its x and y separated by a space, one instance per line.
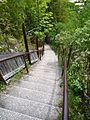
pixel 37 95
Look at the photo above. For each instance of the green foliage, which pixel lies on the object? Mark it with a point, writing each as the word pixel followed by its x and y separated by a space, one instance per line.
pixel 82 37
pixel 72 35
pixel 59 10
pixel 66 26
pixel 2 86
pixel 84 14
pixel 36 16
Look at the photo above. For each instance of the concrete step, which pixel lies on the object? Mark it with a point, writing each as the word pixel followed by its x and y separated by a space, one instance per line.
pixel 35 86
pixel 34 79
pixel 29 94
pixel 11 115
pixel 42 68
pixel 35 95
pixel 28 107
pixel 41 72
pixel 44 75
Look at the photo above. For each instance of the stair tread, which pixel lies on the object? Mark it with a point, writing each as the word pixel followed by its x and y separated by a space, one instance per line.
pixel 30 94
pixel 35 86
pixel 11 115
pixel 44 81
pixel 28 107
pixel 34 95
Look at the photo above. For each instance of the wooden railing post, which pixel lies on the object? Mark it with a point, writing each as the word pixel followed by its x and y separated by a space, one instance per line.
pixel 43 48
pixel 37 47
pixel 25 41
pixel 40 54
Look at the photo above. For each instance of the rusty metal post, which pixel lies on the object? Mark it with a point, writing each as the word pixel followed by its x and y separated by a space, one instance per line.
pixel 40 54
pixel 43 48
pixel 65 94
pixel 25 41
pixel 37 47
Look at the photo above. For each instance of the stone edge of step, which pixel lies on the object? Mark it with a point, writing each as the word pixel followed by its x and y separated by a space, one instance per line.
pixel 17 113
pixel 7 95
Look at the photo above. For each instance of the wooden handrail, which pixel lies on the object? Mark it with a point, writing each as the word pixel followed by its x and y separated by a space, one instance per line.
pixel 18 55
pixel 65 93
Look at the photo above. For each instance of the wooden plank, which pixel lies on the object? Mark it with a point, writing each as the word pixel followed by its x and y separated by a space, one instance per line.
pixel 10 67
pixel 13 72
pixel 34 57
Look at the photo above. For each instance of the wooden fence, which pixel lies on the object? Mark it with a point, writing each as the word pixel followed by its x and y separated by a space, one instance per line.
pixel 14 63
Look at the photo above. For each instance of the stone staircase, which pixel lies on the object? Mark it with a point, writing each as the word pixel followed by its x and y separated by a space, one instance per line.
pixel 37 95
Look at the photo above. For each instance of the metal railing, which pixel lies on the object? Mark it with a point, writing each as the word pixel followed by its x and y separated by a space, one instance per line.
pixel 65 93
